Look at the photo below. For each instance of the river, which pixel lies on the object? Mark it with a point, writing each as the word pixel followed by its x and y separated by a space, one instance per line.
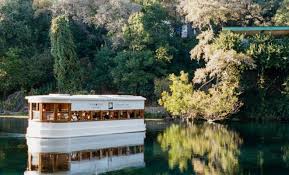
pixel 164 149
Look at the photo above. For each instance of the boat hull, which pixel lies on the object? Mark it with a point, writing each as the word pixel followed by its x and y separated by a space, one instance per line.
pixel 38 129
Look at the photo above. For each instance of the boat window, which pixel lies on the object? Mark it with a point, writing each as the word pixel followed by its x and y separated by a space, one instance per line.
pixel 62 116
pixel 48 107
pixel 34 106
pixel 63 107
pixel 96 115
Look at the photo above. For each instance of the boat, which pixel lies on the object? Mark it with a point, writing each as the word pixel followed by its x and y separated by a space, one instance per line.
pixel 85 155
pixel 65 115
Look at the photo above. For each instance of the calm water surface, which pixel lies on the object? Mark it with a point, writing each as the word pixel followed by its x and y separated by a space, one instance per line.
pixel 246 148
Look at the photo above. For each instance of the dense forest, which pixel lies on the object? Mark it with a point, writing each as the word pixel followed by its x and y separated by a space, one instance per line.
pixel 138 47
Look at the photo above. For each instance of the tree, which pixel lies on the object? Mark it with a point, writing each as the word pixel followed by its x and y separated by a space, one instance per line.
pixel 214 94
pixel 216 13
pixel 217 103
pixel 282 15
pixel 66 63
pixel 135 71
pixel 14 15
pixel 24 42
pixel 13 71
pixel 150 41
pixel 103 64
pixel 109 14
pixel 151 29
pixel 181 92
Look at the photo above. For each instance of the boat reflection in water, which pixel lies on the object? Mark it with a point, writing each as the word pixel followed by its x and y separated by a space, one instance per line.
pixel 85 155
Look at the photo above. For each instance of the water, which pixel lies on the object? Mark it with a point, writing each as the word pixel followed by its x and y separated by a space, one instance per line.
pixel 237 148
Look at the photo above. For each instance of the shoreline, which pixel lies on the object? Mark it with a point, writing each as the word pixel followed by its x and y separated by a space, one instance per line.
pixel 14 116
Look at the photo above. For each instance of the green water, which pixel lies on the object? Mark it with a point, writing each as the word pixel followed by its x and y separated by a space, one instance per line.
pixel 246 148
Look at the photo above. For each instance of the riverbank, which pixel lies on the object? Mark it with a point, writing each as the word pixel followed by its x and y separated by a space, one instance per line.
pixel 14 116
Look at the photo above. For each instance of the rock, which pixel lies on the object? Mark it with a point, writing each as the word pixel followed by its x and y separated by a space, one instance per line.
pixel 14 103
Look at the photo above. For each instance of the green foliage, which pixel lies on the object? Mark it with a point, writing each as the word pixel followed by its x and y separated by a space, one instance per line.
pixel 214 94
pixel 66 63
pixel 101 79
pixel 16 28
pixel 214 14
pixel 161 85
pixel 217 103
pixel 151 29
pixel 247 74
pixel 12 68
pixel 211 148
pixel 269 52
pixel 25 63
pixel 282 15
pixel 131 46
pixel 177 100
pixel 135 71
pixel 230 41
pixel 152 45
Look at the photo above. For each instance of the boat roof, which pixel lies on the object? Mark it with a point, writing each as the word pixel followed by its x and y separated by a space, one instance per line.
pixel 68 98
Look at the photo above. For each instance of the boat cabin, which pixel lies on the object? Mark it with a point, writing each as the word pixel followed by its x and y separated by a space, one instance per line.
pixel 77 108
pixel 64 115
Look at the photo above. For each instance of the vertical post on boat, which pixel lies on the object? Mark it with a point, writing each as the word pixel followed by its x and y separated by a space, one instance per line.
pixel 30 111
pixel 142 113
pixel 69 112
pixel 55 111
pixel 101 116
pixel 41 111
pixel 134 113
pixel 118 114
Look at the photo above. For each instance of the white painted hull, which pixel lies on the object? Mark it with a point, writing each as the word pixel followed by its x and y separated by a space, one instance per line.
pixel 38 129
pixel 68 145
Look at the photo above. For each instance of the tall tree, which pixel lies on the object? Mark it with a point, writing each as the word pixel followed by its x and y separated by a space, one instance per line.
pixel 66 63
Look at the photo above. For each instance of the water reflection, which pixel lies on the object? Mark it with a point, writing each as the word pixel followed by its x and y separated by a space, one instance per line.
pixel 211 148
pixel 85 155
pixel 285 150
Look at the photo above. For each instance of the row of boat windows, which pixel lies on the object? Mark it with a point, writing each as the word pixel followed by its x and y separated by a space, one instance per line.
pixel 87 116
pixel 62 113
pixel 55 162
pixel 51 107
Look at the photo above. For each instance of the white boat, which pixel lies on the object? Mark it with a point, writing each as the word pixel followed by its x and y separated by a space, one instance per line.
pixel 85 155
pixel 64 115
